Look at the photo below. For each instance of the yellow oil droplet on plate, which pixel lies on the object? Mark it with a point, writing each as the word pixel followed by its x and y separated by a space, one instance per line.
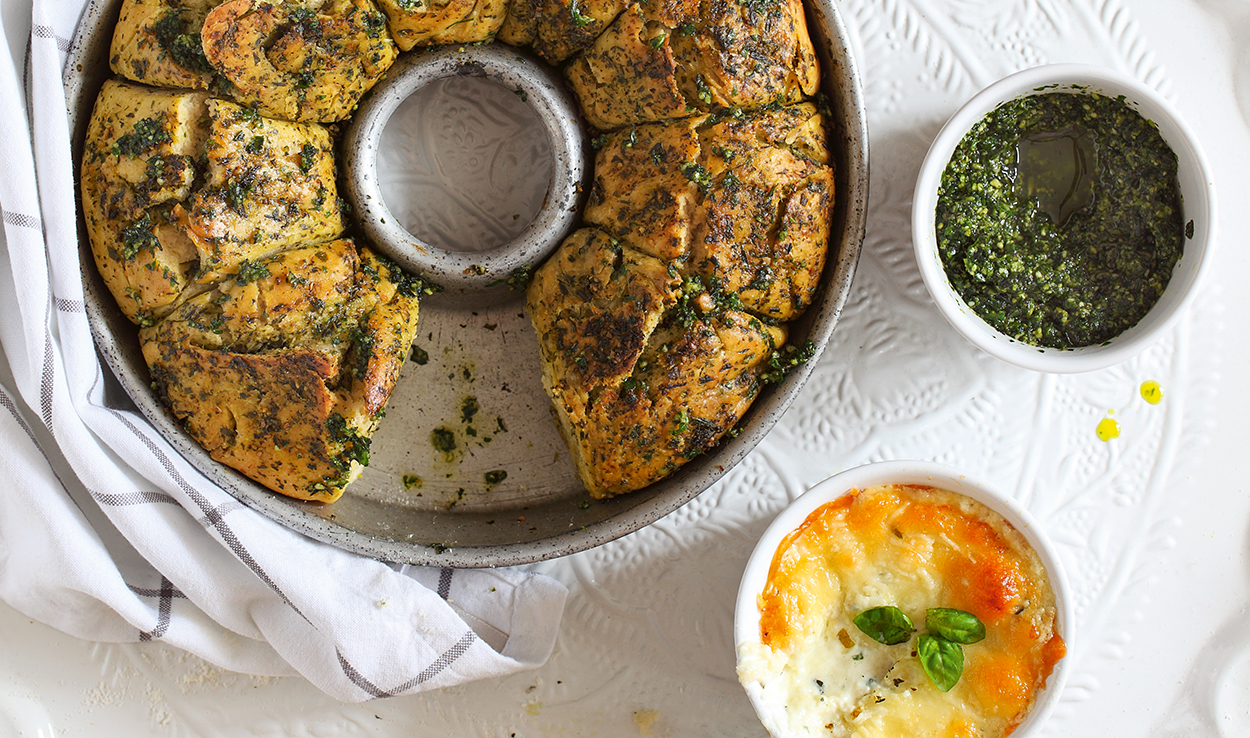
pixel 1108 428
pixel 645 720
pixel 1151 392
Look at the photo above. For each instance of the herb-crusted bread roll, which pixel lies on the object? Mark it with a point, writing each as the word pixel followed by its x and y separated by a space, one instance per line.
pixel 692 383
pixel 299 61
pixel 179 189
pixel 157 42
pixel 268 185
pixel 138 166
pixel 763 225
pixel 645 371
pixel 667 60
pixel 282 372
pixel 567 27
pixel 430 22
pixel 644 190
pixel 742 200
pixel 595 304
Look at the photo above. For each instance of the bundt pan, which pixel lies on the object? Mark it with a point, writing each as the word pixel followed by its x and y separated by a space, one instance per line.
pixel 508 493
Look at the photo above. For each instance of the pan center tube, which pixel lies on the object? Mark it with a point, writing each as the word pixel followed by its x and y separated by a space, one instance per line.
pixel 467 166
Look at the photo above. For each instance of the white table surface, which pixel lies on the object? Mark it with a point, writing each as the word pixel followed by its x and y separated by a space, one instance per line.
pixel 1152 526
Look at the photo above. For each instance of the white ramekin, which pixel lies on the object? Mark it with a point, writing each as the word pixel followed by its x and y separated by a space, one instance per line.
pixel 1198 203
pixel 754 577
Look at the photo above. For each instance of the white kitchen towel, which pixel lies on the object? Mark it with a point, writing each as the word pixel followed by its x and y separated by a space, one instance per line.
pixel 108 534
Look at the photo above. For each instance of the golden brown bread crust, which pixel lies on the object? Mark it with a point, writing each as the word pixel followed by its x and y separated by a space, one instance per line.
pixel 308 61
pixel 627 76
pixel 301 62
pixel 644 372
pixel 270 185
pixel 430 22
pixel 179 189
pixel 138 164
pixel 282 372
pixel 743 201
pixel 640 193
pixel 692 385
pixel 594 304
pixel 764 229
pixel 520 23
pixel 742 54
pixel 667 60
pixel 656 326
pixel 157 42
pixel 566 27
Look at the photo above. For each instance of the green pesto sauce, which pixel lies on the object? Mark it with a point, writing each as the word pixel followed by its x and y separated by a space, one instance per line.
pixel 1059 218
pixel 468 408
pixel 443 440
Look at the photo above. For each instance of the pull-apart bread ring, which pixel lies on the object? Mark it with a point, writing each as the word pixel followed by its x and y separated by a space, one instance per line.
pixel 212 210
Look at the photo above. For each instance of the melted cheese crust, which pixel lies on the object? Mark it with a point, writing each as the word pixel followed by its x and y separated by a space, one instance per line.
pixel 915 548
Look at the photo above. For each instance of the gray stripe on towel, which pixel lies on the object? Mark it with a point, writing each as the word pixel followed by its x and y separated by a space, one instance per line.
pixel 440 664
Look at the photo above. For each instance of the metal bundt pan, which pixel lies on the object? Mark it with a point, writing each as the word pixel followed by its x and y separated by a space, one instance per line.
pixel 540 511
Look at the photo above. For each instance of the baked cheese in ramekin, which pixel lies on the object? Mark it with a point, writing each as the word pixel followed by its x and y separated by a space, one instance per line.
pixel 904 549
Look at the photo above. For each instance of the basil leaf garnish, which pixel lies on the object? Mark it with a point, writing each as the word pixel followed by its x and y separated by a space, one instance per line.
pixel 942 660
pixel 954 625
pixel 886 624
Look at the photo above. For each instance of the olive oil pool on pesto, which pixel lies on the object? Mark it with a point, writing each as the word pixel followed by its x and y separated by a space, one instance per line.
pixel 1059 218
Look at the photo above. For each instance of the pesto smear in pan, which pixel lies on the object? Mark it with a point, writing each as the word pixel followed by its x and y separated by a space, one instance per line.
pixel 1059 218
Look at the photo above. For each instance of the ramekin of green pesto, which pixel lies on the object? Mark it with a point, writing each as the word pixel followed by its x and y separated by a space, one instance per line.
pixel 1063 217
